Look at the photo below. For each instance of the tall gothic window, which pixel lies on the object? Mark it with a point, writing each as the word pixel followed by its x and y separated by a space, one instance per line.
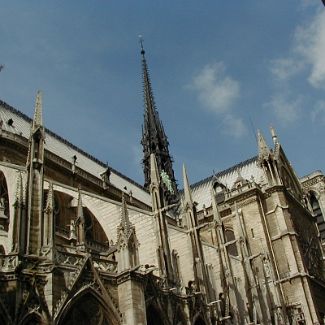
pixel 4 203
pixel 318 215
pixel 230 237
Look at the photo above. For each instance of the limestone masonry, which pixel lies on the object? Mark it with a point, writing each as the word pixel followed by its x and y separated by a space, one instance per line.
pixel 80 243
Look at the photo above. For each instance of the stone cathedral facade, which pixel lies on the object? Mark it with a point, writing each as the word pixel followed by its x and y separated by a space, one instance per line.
pixel 80 243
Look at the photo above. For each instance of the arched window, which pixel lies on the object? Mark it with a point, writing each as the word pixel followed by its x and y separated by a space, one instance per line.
pixel 318 215
pixel 231 248
pixel 87 309
pixel 33 319
pixel 4 203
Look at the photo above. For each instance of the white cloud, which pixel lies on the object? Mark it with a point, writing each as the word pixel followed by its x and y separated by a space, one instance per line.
pixel 286 68
pixel 307 52
pixel 318 113
pixel 234 126
pixel 286 111
pixel 216 91
pixel 310 44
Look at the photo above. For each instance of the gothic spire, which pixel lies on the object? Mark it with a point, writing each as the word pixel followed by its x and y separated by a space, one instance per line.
pixel 38 120
pixel 35 168
pixel 263 149
pixel 81 236
pixel 187 189
pixel 154 139
pixel 125 221
pixel 154 173
pixel 50 198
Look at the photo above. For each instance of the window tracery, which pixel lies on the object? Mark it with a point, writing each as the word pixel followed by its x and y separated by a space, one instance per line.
pixel 4 203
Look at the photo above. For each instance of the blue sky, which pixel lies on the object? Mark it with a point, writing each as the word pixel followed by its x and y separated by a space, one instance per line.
pixel 219 71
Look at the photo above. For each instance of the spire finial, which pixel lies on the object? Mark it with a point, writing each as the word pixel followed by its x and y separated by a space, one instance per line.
pixel 274 135
pixel 141 44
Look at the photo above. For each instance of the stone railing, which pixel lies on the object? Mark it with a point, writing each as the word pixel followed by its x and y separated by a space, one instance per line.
pixel 8 262
pixel 75 260
pixel 105 265
pixel 68 259
pixel 97 246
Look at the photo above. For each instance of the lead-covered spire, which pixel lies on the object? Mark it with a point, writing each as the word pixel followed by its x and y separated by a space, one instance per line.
pixel 154 139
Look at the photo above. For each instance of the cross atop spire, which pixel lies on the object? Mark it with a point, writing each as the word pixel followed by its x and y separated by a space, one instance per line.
pixel 154 139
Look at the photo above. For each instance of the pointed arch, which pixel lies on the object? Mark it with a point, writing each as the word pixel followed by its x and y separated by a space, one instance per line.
pixel 198 320
pixel 32 318
pixel 154 315
pixel 87 306
pixel 65 213
pixel 230 238
pixel 4 203
pixel 318 213
pixel 179 316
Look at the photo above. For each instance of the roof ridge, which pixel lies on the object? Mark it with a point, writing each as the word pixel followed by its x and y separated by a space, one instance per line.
pixel 226 171
pixel 72 146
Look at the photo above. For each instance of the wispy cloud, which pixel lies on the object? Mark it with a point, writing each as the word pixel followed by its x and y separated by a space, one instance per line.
pixel 318 113
pixel 306 60
pixel 285 68
pixel 217 91
pixel 234 126
pixel 306 53
pixel 310 44
pixel 286 110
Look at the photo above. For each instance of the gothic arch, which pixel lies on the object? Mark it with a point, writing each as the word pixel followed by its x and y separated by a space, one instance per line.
pixel 318 213
pixel 64 213
pixel 32 318
pixel 198 320
pixel 87 307
pixel 179 316
pixel 4 203
pixel 230 236
pixel 154 315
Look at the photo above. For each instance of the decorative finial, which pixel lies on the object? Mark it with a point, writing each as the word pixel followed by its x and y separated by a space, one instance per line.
pixel 274 135
pixel 141 44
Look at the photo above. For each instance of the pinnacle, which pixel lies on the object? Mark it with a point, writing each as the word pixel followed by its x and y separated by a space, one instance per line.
pixel 38 119
pixel 125 222
pixel 187 189
pixel 263 149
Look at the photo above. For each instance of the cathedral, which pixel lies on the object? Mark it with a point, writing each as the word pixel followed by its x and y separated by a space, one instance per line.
pixel 81 243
